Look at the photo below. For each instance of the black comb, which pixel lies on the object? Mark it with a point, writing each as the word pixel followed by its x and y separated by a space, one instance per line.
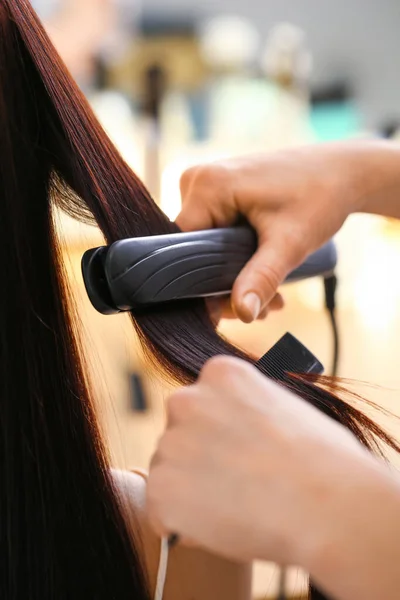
pixel 288 356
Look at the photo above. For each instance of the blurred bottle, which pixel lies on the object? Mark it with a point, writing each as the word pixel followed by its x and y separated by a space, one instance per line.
pixel 230 45
pixel 249 112
pixel 165 70
pixel 287 60
pixel 287 63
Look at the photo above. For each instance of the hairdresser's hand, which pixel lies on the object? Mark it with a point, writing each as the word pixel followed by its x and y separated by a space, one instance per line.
pixel 250 471
pixel 295 199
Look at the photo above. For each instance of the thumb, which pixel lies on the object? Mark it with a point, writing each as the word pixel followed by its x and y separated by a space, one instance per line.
pixel 258 282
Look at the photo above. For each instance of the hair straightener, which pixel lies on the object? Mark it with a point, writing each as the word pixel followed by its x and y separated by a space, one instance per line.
pixel 137 273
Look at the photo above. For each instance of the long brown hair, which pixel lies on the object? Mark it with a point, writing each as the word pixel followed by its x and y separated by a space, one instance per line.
pixel 62 534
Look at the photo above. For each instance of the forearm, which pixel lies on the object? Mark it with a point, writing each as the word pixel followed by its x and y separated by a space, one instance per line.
pixel 357 554
pixel 376 167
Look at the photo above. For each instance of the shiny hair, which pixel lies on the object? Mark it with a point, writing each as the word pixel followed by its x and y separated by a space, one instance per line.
pixel 62 530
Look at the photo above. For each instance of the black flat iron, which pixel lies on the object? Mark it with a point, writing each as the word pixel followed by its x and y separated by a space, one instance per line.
pixel 136 273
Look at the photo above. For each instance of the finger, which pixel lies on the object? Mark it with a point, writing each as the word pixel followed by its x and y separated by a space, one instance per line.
pixel 223 309
pixel 263 314
pixel 277 303
pixel 215 307
pixel 220 308
pixel 195 216
pixel 228 312
pixel 258 282
pixel 207 200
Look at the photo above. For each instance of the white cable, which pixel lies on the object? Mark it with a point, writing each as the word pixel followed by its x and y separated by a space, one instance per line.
pixel 162 570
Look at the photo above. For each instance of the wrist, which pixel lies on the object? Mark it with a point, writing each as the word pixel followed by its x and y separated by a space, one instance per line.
pixel 356 552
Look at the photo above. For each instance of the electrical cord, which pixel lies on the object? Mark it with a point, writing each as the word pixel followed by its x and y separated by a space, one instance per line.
pixel 330 287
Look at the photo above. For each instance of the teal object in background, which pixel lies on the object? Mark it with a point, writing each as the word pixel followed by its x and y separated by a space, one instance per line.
pixel 331 121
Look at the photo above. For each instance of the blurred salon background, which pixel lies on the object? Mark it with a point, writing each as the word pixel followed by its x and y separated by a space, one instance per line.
pixel 179 82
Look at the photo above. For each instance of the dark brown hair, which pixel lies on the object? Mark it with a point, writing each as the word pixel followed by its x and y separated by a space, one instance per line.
pixel 62 533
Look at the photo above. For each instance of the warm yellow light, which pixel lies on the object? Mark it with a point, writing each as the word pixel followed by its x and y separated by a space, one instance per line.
pixel 376 286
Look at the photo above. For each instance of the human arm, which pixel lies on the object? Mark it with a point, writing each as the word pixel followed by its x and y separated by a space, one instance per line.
pixel 251 471
pixel 296 199
pixel 192 573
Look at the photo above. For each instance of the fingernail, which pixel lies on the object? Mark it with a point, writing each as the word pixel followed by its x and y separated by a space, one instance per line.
pixel 252 305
